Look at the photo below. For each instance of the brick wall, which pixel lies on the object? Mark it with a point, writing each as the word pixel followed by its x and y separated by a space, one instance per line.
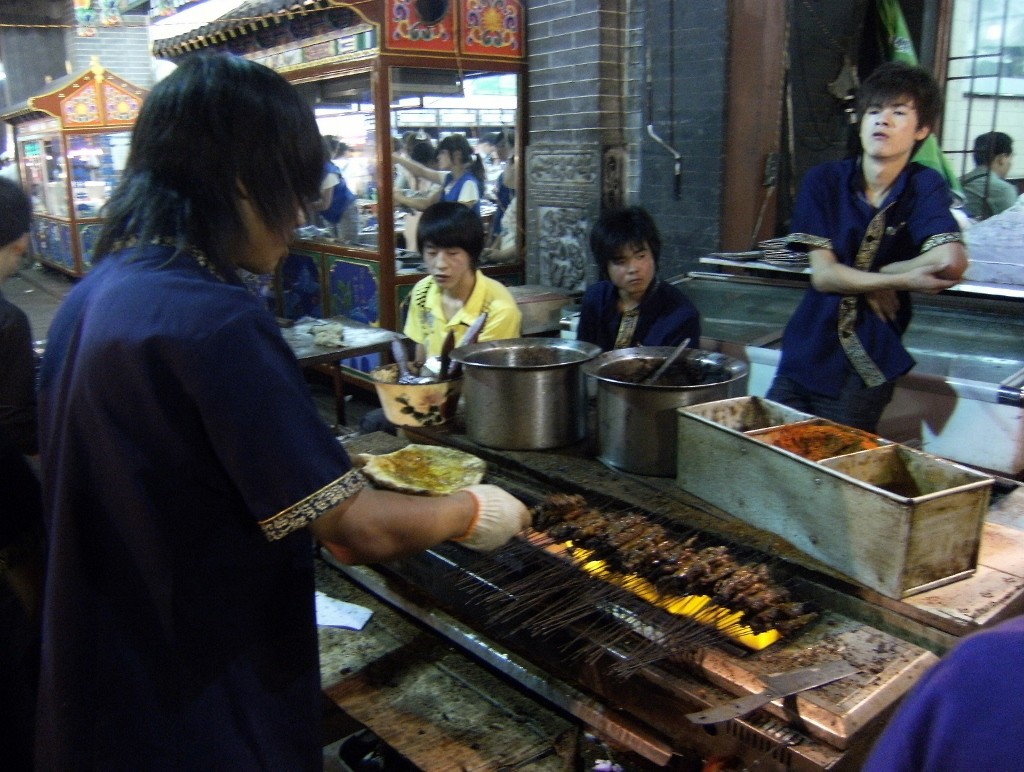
pixel 687 45
pixel 575 95
pixel 123 50
pixel 589 109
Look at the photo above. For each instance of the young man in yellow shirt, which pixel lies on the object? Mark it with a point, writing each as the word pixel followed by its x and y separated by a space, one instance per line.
pixel 456 292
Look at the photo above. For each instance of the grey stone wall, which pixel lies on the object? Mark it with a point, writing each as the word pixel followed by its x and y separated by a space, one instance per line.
pixel 576 78
pixel 564 183
pixel 32 50
pixel 590 103
pixel 688 49
pixel 38 48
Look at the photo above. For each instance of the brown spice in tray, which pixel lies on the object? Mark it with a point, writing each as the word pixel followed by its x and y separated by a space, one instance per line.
pixel 817 441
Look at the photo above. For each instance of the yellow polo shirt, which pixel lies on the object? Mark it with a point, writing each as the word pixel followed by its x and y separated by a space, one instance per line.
pixel 426 324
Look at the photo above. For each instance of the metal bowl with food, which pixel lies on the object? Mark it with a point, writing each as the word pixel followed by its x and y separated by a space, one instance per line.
pixel 525 393
pixel 636 420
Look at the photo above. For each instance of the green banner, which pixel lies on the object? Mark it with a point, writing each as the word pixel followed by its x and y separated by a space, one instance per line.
pixel 900 48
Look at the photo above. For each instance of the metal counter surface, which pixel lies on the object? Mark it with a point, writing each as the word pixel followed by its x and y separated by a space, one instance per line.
pixel 951 334
pixel 428 701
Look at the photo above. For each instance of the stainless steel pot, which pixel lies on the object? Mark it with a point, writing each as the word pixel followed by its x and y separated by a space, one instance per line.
pixel 525 393
pixel 636 424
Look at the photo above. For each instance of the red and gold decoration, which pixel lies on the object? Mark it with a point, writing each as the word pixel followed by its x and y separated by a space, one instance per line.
pixel 492 27
pixel 94 98
pixel 421 25
pixel 92 13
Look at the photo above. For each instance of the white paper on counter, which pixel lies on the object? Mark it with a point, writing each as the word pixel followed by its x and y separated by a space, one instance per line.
pixel 331 612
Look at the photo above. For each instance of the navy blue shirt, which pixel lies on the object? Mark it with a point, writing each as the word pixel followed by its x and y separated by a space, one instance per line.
pixel 341 197
pixel 667 317
pixel 832 212
pixel 182 456
pixel 964 713
pixel 503 195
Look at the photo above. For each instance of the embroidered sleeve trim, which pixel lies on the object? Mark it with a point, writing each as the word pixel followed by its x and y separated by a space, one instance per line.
pixel 814 242
pixel 938 240
pixel 310 508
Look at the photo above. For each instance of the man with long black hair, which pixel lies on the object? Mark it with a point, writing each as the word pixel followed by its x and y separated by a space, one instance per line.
pixel 185 464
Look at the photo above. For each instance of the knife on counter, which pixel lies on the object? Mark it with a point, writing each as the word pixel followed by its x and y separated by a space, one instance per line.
pixel 777 687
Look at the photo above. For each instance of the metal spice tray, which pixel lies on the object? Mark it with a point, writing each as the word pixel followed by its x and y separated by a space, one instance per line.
pixel 891 518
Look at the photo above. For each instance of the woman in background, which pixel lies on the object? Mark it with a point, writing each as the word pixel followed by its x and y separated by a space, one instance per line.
pixel 337 201
pixel 460 172
pixel 504 192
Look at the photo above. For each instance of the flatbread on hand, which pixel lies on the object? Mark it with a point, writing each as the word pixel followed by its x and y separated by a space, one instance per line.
pixel 431 470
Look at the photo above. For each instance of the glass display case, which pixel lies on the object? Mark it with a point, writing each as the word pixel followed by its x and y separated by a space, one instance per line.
pixel 963 400
pixel 379 73
pixel 72 144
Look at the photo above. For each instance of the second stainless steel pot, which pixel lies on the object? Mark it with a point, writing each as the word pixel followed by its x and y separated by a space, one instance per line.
pixel 636 422
pixel 525 393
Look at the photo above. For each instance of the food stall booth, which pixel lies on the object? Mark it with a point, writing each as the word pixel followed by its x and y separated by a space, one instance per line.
pixel 72 143
pixel 794 664
pixel 374 73
pixel 763 604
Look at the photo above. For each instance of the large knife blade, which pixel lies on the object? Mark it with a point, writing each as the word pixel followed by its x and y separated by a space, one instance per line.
pixel 779 686
pixel 446 354
pixel 470 338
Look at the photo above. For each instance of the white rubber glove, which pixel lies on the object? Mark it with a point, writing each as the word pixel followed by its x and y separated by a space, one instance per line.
pixel 499 517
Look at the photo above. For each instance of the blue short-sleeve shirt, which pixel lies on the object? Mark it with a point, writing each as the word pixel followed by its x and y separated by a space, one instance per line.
pixel 182 456
pixel 831 212
pixel 453 188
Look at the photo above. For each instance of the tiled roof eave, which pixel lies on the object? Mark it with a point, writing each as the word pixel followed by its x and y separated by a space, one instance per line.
pixel 245 18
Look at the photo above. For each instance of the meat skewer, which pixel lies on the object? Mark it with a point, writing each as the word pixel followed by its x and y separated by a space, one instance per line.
pixel 633 544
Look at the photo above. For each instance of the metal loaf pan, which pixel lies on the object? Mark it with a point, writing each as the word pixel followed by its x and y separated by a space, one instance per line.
pixel 893 519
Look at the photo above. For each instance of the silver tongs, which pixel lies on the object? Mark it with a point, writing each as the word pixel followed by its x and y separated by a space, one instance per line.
pixel 669 360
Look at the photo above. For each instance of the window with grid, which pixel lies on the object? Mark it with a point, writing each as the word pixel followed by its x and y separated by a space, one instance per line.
pixel 985 80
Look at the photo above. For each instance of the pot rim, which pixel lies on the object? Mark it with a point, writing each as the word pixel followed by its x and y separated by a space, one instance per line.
pixel 584 352
pixel 737 368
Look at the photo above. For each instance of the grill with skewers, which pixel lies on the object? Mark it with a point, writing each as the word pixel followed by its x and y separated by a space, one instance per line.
pixel 636 582
pixel 600 630
pixel 627 603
